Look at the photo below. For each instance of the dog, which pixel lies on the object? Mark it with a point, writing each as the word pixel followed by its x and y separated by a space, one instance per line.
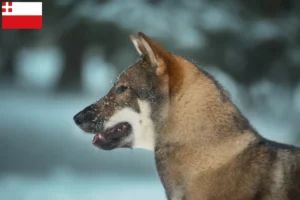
pixel 204 147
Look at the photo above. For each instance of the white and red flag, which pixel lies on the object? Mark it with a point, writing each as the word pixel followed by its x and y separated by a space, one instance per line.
pixel 22 15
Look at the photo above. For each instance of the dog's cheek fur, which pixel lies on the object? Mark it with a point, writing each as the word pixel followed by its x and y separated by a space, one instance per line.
pixel 142 135
pixel 140 105
pixel 145 137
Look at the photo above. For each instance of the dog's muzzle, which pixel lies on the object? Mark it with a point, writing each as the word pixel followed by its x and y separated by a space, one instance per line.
pixel 87 120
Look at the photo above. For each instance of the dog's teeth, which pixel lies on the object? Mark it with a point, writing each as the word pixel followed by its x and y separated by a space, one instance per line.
pixel 119 129
pixel 99 136
pixel 124 126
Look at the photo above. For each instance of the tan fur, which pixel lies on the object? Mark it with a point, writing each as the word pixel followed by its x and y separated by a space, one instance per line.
pixel 190 115
pixel 205 149
pixel 198 147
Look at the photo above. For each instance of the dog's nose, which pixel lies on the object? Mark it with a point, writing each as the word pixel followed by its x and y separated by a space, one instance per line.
pixel 79 118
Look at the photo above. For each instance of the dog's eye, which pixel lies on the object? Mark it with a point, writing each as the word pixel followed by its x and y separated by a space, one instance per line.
pixel 121 89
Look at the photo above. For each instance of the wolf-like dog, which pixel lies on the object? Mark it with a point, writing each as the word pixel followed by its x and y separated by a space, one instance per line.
pixel 204 146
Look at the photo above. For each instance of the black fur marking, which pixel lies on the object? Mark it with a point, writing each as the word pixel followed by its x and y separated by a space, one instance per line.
pixel 276 145
pixel 294 186
pixel 259 193
pixel 136 107
pixel 273 156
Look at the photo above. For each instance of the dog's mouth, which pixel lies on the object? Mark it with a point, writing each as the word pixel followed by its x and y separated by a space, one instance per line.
pixel 112 136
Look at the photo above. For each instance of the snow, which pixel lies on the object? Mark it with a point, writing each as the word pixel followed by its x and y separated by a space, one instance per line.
pixel 97 74
pixel 296 99
pixel 218 18
pixel 139 16
pixel 264 30
pixel 294 55
pixel 63 185
pixel 38 67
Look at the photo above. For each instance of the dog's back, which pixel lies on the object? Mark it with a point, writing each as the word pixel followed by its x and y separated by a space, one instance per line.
pixel 265 170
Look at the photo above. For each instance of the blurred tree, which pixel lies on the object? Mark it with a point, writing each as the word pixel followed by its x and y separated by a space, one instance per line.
pixel 72 45
pixel 11 42
pixel 268 8
pixel 241 52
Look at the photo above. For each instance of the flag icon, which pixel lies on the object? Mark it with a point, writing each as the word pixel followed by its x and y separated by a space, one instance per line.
pixel 22 15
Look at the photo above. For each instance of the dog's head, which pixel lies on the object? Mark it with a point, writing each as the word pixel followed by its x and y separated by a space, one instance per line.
pixel 133 110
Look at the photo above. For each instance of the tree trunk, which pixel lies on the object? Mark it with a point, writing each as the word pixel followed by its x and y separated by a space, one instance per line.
pixel 72 45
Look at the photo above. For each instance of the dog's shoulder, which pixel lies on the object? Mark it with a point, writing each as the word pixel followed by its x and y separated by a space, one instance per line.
pixel 280 164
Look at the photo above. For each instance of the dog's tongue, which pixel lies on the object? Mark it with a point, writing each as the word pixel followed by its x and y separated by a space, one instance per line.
pixel 97 137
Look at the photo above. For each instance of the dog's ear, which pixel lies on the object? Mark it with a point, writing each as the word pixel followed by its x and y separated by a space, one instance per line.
pixel 139 46
pixel 165 64
pixel 157 55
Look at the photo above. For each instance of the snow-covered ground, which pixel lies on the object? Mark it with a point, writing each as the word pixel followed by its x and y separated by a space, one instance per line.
pixel 63 185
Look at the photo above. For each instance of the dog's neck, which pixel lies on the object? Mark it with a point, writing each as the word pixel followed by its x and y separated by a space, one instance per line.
pixel 200 118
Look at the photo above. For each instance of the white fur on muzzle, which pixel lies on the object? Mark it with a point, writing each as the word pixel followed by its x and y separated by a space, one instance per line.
pixel 143 135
